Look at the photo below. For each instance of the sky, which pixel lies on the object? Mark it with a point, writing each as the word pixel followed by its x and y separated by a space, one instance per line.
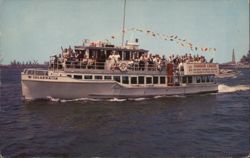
pixel 36 29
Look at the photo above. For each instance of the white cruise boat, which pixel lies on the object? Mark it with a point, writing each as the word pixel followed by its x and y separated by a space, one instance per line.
pixel 101 70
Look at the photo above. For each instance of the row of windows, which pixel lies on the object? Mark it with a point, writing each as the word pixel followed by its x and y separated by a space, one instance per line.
pixel 203 79
pixel 198 79
pixel 125 79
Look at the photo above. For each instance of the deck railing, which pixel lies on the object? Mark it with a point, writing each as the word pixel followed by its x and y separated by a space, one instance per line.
pixel 103 65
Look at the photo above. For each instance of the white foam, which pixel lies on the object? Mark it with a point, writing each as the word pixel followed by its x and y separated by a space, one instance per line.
pixel 175 96
pixel 117 100
pixel 229 89
pixel 53 99
pixel 139 99
pixel 158 96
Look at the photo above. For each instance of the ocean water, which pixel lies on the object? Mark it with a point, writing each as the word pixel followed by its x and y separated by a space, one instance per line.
pixel 207 125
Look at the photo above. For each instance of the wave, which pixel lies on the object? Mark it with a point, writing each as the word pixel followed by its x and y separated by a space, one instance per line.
pixel 69 100
pixel 92 99
pixel 229 89
pixel 117 100
pixel 139 99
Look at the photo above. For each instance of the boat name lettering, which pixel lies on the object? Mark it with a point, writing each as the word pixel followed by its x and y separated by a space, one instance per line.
pixel 45 77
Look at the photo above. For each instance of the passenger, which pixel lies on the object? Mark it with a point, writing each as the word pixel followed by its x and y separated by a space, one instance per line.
pixel 117 57
pixel 141 63
pixel 85 61
pixel 112 62
pixel 91 63
pixel 150 63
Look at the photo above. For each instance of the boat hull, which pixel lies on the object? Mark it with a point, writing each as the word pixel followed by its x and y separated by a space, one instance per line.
pixel 34 89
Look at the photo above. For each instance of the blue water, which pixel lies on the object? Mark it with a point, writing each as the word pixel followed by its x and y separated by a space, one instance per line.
pixel 211 125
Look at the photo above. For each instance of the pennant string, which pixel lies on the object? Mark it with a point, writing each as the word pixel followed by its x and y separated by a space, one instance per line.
pixel 180 42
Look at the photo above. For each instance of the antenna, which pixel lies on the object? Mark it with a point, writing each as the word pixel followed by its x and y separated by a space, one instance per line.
pixel 123 24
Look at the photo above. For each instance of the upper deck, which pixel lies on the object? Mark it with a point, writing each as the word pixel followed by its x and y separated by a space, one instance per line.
pixel 99 57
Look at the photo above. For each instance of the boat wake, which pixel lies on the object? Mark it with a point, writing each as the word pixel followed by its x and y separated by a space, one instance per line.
pixel 229 89
pixel 71 100
pixel 109 100
pixel 92 99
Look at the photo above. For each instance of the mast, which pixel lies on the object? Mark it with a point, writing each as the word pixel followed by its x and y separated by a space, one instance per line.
pixel 123 24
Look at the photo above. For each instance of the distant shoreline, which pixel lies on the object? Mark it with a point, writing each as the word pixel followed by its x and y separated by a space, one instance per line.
pixel 234 66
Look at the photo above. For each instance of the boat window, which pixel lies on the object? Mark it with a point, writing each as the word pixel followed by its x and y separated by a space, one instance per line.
pixel 88 77
pixel 39 72
pixel 162 80
pixel 30 72
pixel 184 79
pixel 77 76
pixel 203 78
pixel 198 79
pixel 190 79
pixel 98 77
pixel 149 80
pixel 107 77
pixel 155 80
pixel 69 76
pixel 133 80
pixel 141 79
pixel 125 55
pixel 211 78
pixel 117 78
pixel 125 79
pixel 207 79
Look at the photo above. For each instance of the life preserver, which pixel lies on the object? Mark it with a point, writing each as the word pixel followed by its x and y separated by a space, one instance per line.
pixel 123 67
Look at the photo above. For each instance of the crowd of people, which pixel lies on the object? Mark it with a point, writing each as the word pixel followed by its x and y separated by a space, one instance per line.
pixel 187 58
pixel 146 60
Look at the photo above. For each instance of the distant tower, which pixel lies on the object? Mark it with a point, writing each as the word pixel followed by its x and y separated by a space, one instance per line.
pixel 233 58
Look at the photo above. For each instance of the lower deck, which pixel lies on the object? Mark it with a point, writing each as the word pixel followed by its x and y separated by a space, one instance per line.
pixel 126 80
pixel 38 84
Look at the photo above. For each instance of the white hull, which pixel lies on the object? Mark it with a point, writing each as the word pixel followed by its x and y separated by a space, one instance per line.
pixel 35 89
